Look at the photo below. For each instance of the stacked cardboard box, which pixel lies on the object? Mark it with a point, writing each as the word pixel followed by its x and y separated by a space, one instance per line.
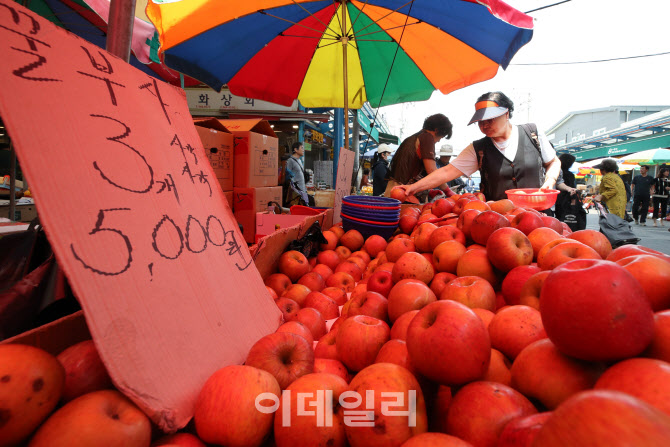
pixel 256 171
pixel 218 143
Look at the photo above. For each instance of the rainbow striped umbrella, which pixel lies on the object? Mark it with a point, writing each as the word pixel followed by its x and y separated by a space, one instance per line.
pixel 339 53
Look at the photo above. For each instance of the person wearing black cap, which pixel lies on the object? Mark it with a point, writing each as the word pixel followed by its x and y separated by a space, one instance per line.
pixel 567 187
pixel 416 155
pixel 508 157
pixel 611 190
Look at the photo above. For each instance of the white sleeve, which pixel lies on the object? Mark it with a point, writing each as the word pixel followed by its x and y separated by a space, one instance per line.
pixel 548 152
pixel 466 161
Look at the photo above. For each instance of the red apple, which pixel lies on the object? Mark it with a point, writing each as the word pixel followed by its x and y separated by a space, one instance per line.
pixel 447 254
pixel 633 250
pixel 542 373
pixel 179 440
pixel 374 245
pixel 31 384
pixel 353 240
pixel 288 307
pixel 440 281
pixel 284 355
pixel 398 247
pixel 359 340
pixel 329 258
pixel 515 327
pixel 313 281
pixel 323 270
pixel 84 371
pixel 508 248
pixel 297 328
pixel 514 281
pixel 381 387
pixel 448 343
pixel 553 223
pixel 480 410
pixel 407 295
pixel 413 265
pixel 521 432
pixel 527 221
pixel 484 224
pixel 605 418
pixel 233 394
pixel 446 233
pixel 472 291
pixel 293 264
pixel 297 293
pixel 399 328
pixel 613 321
pixel 342 280
pixel 659 348
pixel 328 308
pixel 594 239
pixel 296 425
pixel 278 282
pixel 336 294
pixel 325 348
pixel 380 282
pixel 653 274
pixel 314 321
pixel 104 417
pixel 332 241
pixel 331 366
pixel 566 252
pixel 646 379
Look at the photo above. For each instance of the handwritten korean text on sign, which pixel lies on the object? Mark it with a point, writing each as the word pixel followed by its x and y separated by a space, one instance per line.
pixel 134 213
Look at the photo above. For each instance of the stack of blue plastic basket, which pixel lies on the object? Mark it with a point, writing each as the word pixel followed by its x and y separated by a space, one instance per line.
pixel 370 215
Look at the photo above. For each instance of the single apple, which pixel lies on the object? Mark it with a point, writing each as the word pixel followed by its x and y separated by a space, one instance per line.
pixel 84 371
pixel 284 355
pixel 234 394
pixel 104 417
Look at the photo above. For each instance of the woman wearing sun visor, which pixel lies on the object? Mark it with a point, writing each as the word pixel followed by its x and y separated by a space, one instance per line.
pixel 508 156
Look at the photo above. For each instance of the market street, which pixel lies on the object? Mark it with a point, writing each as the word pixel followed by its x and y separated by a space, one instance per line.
pixel 657 238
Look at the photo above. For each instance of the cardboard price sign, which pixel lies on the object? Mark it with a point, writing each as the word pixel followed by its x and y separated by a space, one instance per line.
pixel 134 214
pixel 345 168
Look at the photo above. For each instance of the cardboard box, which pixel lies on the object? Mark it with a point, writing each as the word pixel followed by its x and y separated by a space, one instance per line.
pixel 218 143
pixel 22 213
pixel 256 160
pixel 267 223
pixel 249 201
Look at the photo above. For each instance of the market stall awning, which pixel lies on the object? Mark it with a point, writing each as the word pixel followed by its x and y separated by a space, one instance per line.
pixel 656 141
pixel 388 138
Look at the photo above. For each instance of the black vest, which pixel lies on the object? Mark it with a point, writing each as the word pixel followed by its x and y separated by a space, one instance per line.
pixel 499 174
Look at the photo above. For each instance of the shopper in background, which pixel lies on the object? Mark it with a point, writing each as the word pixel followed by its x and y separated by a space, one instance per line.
pixel 365 179
pixel 415 157
pixel 298 176
pixel 380 167
pixel 661 193
pixel 611 190
pixel 508 156
pixel 567 187
pixel 443 157
pixel 642 188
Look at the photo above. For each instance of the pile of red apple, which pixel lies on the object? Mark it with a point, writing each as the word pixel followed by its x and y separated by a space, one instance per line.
pixel 505 327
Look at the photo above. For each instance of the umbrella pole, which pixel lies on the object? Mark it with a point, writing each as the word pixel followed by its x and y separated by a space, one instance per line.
pixel 345 42
pixel 120 28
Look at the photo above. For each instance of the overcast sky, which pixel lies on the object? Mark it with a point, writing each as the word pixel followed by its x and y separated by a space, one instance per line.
pixel 580 30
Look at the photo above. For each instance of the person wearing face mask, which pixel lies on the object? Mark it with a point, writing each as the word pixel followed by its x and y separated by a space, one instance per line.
pixel 415 157
pixel 508 157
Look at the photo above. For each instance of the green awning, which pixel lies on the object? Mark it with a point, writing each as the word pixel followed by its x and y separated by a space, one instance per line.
pixel 655 141
pixel 388 138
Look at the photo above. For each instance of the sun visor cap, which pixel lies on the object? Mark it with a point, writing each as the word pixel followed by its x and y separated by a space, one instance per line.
pixel 486 110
